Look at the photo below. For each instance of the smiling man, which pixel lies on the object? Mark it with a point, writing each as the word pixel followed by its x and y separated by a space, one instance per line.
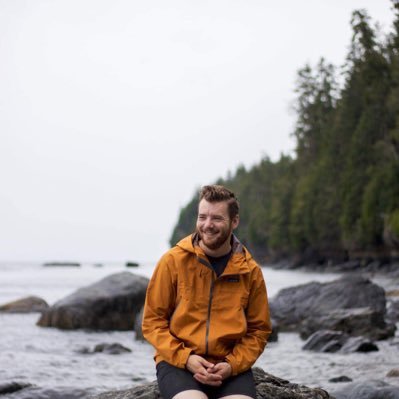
pixel 206 311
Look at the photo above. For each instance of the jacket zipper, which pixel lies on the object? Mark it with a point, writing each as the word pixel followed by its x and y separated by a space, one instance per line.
pixel 208 320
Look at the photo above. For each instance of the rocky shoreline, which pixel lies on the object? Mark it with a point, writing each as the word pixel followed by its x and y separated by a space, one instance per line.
pixel 350 314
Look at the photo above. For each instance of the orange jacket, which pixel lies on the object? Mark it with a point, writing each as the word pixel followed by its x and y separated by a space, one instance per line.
pixel 188 309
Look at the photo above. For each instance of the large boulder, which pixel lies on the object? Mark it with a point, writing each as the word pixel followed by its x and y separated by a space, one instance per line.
pixel 28 304
pixel 110 304
pixel 310 306
pixel 267 387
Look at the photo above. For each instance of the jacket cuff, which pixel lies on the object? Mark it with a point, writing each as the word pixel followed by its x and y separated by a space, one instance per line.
pixel 233 364
pixel 183 357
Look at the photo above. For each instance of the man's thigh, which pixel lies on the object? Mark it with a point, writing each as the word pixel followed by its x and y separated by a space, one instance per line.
pixel 241 386
pixel 173 381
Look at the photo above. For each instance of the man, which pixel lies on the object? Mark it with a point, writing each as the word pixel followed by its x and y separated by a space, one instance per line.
pixel 206 310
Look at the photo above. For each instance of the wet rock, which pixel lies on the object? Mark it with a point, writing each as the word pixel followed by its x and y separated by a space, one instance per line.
pixel 393 373
pixel 367 390
pixel 275 330
pixel 267 387
pixel 137 325
pixel 393 310
pixel 52 393
pixel 11 387
pixel 28 304
pixel 336 341
pixel 111 349
pixel 355 321
pixel 341 378
pixel 306 307
pixel 110 304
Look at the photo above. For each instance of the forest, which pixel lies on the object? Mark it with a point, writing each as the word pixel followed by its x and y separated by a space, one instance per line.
pixel 337 197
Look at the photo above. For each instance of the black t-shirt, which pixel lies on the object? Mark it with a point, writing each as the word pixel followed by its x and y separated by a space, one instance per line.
pixel 219 263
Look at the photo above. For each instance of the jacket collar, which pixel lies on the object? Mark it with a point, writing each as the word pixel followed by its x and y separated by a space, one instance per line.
pixel 238 263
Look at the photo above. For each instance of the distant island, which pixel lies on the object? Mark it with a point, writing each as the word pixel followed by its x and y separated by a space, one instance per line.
pixel 131 264
pixel 61 264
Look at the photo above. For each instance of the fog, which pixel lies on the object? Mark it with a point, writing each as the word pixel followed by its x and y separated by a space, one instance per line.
pixel 113 113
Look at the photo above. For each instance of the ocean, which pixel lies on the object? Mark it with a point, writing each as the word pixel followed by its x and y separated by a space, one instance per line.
pixel 52 358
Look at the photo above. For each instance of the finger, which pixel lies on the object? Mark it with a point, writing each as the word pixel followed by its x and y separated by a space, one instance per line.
pixel 207 381
pixel 206 364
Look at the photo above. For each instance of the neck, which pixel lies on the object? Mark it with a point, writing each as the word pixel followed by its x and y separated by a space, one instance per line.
pixel 222 250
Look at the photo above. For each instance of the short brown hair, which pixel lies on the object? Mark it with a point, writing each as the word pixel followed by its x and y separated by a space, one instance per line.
pixel 217 193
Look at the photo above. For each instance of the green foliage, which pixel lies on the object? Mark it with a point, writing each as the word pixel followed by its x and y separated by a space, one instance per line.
pixel 341 191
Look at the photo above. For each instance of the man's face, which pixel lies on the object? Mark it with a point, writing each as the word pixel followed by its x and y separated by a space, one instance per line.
pixel 214 225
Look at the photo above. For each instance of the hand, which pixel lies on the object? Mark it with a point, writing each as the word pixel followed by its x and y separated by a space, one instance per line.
pixel 200 369
pixel 223 369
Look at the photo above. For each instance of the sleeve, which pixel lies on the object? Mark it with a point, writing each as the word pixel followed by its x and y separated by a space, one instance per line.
pixel 251 346
pixel 158 308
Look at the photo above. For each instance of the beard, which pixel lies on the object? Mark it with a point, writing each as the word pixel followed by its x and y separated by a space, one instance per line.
pixel 214 238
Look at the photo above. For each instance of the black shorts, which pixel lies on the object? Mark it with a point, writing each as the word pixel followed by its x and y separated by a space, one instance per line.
pixel 172 380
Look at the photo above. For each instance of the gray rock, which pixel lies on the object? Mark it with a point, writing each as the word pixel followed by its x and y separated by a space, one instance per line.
pixel 28 304
pixel 275 330
pixel 309 307
pixel 35 392
pixel 341 378
pixel 365 321
pixel 111 349
pixel 267 387
pixel 110 304
pixel 336 341
pixel 393 373
pixel 11 387
pixel 368 390
pixel 137 325
pixel 393 310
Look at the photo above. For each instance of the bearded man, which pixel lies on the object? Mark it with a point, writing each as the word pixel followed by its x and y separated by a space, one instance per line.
pixel 206 311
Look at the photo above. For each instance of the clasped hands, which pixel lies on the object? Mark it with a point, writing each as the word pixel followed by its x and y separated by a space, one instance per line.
pixel 206 372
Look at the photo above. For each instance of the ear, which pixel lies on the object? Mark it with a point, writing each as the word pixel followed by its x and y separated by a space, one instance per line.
pixel 235 222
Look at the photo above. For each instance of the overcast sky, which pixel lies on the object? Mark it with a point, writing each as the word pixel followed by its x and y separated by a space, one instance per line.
pixel 112 113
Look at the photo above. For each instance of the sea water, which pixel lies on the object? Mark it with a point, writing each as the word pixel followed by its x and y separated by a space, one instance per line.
pixel 49 357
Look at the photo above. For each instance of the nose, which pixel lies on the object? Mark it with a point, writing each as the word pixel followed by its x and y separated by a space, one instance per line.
pixel 208 223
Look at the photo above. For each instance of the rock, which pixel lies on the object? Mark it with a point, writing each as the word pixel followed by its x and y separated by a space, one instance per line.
pixel 309 306
pixel 110 304
pixel 359 344
pixel 275 330
pixel 341 378
pixel 356 322
pixel 111 349
pixel 267 387
pixel 11 387
pixel 336 341
pixel 35 392
pixel 137 325
pixel 393 310
pixel 367 390
pixel 393 373
pixel 28 304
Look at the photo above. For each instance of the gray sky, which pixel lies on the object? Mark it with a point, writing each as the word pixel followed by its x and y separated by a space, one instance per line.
pixel 112 113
